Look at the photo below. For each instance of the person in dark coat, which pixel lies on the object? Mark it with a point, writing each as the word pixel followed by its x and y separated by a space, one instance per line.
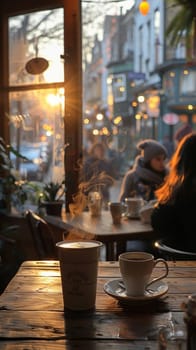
pixel 97 172
pixel 148 172
pixel 175 215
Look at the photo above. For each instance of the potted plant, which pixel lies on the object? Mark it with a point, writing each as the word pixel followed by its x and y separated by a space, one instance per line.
pixel 52 197
pixel 10 188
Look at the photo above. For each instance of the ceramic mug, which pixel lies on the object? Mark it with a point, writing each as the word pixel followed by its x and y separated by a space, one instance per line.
pixel 136 269
pixel 116 210
pixel 133 205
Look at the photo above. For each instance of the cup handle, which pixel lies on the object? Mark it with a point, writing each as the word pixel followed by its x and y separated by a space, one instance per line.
pixel 157 261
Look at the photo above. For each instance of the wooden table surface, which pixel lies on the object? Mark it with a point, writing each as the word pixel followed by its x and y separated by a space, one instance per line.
pixel 32 316
pixel 101 228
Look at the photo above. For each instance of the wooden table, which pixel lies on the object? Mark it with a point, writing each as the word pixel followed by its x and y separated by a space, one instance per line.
pixel 32 316
pixel 101 228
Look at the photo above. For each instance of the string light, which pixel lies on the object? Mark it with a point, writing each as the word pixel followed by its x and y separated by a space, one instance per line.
pixel 144 7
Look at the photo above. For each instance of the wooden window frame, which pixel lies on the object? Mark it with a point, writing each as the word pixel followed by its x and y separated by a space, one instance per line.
pixel 72 82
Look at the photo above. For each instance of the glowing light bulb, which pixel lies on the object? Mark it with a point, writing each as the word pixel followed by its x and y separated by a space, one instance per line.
pixel 144 7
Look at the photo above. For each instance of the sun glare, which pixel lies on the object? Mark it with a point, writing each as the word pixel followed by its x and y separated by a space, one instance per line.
pixel 55 71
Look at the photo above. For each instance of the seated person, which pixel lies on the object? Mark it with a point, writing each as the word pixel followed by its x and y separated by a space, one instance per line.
pixel 97 172
pixel 174 216
pixel 148 172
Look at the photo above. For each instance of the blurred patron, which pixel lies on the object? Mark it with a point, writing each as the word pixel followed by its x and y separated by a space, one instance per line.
pixel 97 172
pixel 148 172
pixel 174 216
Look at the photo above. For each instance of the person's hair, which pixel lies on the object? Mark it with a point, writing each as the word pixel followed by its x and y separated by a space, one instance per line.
pixel 182 173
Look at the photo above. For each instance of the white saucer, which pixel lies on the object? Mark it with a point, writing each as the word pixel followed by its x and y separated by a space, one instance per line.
pixel 114 288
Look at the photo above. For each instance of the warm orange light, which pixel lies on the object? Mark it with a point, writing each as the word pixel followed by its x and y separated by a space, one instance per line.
pixel 134 104
pixel 144 7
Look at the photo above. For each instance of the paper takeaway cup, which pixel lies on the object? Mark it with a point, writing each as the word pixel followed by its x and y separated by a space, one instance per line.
pixel 78 267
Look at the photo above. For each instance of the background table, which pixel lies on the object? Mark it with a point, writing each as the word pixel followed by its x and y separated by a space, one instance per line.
pixel 32 317
pixel 101 228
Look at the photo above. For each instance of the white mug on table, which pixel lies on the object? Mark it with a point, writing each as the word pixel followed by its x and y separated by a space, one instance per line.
pixel 136 269
pixel 133 205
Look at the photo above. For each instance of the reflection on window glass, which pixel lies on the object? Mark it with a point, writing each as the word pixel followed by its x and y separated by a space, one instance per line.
pixel 36 127
pixel 31 35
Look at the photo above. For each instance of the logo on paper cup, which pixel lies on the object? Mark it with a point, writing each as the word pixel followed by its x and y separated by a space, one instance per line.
pixel 76 281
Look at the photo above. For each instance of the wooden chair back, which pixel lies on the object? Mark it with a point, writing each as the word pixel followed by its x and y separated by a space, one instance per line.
pixel 42 236
pixel 169 250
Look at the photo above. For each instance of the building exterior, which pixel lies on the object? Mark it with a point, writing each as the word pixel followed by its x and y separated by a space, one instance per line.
pixel 148 87
pixel 170 80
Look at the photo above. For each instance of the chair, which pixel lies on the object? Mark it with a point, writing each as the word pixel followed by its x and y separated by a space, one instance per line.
pixel 168 250
pixel 42 236
pixel 9 257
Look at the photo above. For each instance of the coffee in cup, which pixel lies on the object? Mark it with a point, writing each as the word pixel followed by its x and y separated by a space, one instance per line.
pixel 136 269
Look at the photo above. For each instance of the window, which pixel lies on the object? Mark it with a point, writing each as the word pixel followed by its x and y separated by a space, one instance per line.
pixel 36 112
pixel 157 46
pixel 140 40
pixel 169 84
pixel 41 111
pixel 119 87
pixel 149 39
pixel 188 83
pixel 157 23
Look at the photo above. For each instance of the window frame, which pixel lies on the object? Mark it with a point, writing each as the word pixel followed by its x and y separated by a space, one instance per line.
pixel 72 79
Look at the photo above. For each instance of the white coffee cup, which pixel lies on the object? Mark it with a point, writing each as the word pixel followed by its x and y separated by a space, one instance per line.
pixel 136 269
pixel 78 267
pixel 133 205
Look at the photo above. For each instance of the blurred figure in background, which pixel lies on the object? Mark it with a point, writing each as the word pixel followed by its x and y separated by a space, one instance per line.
pixel 174 216
pixel 148 172
pixel 97 172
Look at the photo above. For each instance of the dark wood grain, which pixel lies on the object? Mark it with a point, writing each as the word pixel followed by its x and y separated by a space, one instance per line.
pixel 78 345
pixel 32 316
